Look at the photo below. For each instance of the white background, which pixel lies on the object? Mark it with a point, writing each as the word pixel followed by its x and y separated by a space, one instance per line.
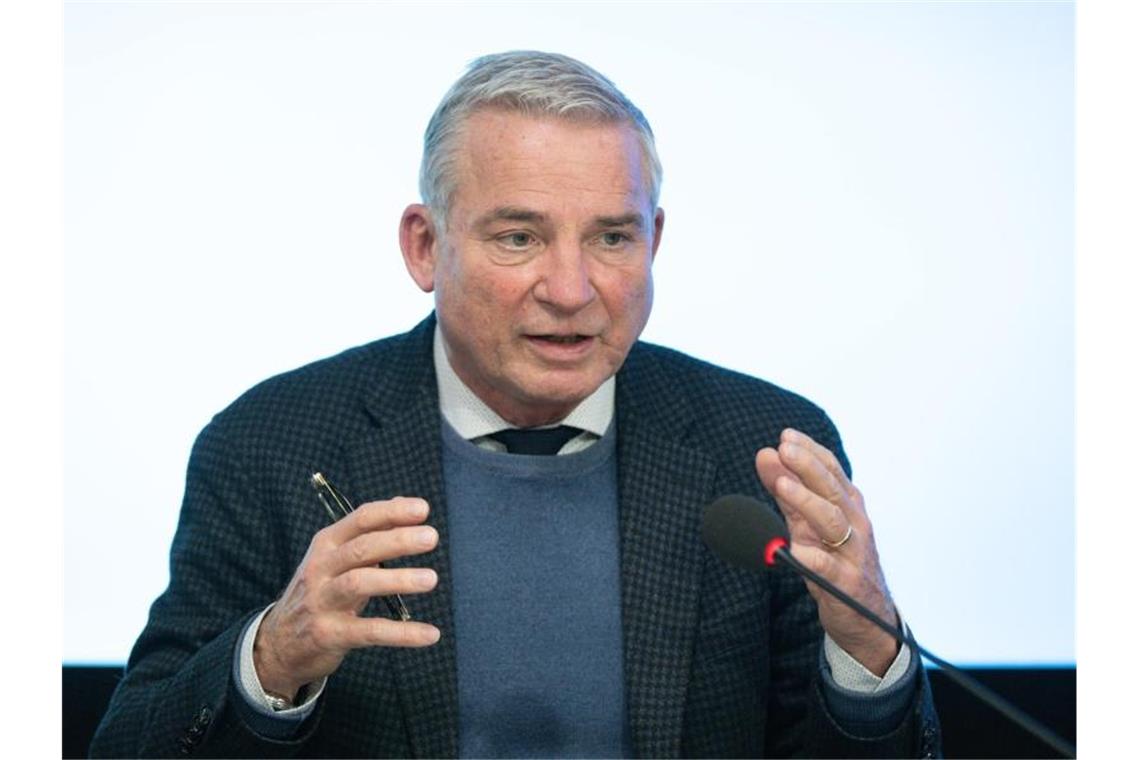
pixel 869 204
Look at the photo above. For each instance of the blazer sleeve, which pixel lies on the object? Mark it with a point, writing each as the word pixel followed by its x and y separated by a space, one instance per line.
pixel 177 697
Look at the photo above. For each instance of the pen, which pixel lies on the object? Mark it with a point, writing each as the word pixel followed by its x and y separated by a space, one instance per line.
pixel 337 507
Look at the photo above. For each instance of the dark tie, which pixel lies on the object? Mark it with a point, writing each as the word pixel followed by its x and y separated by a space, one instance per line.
pixel 536 442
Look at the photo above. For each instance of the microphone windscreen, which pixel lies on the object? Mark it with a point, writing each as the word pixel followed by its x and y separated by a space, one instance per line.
pixel 739 529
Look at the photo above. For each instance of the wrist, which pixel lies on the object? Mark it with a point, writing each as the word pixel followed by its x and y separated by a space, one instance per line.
pixel 879 658
pixel 882 650
pixel 875 649
pixel 279 702
pixel 275 679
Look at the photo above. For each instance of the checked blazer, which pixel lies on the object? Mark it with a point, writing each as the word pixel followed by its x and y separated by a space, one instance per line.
pixel 718 661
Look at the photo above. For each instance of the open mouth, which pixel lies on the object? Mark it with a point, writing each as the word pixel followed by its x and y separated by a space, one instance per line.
pixel 566 340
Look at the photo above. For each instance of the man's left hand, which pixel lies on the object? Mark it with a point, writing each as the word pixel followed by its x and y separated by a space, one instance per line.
pixel 831 534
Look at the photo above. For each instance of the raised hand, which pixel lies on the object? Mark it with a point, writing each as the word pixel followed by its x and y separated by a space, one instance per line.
pixel 317 621
pixel 831 534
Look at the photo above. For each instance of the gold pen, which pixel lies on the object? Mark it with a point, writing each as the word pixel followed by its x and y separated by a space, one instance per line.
pixel 338 506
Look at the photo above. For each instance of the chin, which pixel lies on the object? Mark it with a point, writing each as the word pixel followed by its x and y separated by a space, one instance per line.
pixel 550 392
pixel 559 396
pixel 565 384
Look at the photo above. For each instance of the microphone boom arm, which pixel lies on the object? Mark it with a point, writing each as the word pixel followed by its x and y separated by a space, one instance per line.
pixel 991 698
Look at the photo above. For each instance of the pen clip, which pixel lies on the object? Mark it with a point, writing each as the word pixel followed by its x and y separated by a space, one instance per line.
pixel 334 503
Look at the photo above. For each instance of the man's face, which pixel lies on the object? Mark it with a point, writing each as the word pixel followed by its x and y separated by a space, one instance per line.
pixel 542 277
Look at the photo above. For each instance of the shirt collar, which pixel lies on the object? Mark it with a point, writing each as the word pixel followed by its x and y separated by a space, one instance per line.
pixel 472 418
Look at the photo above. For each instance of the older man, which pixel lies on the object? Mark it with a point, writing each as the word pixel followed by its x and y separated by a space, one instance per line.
pixel 560 604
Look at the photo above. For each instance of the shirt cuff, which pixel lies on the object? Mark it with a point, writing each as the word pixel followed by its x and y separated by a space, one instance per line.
pixel 861 703
pixel 851 675
pixel 259 713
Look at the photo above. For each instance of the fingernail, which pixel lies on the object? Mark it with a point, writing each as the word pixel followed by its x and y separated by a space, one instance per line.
pixel 425 578
pixel 425 536
pixel 792 451
pixel 418 508
pixel 785 485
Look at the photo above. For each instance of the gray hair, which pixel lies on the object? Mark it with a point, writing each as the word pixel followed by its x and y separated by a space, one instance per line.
pixel 534 84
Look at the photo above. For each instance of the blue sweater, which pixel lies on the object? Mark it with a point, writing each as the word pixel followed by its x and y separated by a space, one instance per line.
pixel 535 565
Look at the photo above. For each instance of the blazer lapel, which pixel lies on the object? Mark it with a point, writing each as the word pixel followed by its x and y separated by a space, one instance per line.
pixel 401 456
pixel 663 483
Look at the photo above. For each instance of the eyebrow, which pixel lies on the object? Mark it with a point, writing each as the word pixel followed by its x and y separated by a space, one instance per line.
pixel 510 214
pixel 624 220
pixel 521 214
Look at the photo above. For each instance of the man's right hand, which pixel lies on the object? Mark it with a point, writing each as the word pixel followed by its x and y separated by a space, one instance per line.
pixel 316 622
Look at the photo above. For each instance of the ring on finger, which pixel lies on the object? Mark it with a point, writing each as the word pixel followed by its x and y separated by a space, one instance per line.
pixel 840 542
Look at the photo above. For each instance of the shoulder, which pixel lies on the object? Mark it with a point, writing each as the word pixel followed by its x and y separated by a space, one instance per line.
pixel 719 407
pixel 329 398
pixel 713 390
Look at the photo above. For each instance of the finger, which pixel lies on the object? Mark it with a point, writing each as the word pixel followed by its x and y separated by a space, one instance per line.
pixel 770 469
pixel 379 546
pixel 826 520
pixel 357 632
pixel 854 504
pixel 347 590
pixel 812 472
pixel 378 515
pixel 826 455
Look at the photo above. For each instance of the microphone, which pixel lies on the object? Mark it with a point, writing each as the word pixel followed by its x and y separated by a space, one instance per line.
pixel 743 532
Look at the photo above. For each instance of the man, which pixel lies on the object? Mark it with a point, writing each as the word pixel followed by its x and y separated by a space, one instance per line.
pixel 560 605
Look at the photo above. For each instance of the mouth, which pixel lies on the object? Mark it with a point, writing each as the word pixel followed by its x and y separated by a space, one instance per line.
pixel 562 340
pixel 562 347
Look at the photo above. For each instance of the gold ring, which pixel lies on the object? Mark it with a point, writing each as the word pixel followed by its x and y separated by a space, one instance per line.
pixel 840 542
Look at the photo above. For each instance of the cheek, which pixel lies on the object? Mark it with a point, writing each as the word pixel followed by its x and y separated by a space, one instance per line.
pixel 632 298
pixel 647 295
pixel 485 304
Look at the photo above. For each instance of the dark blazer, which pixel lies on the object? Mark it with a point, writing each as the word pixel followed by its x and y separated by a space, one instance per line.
pixel 718 661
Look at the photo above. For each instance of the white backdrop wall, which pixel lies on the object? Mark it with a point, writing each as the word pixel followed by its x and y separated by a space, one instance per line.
pixel 870 204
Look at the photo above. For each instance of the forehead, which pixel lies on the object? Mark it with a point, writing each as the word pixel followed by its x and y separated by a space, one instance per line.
pixel 552 165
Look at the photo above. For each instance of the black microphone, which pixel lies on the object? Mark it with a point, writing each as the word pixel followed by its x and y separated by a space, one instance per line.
pixel 743 532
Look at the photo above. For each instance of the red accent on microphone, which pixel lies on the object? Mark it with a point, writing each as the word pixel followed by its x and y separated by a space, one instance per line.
pixel 773 546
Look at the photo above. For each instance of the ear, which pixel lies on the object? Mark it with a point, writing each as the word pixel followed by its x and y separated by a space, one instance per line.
pixel 658 226
pixel 417 242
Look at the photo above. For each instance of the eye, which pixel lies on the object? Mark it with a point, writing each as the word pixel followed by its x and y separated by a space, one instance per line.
pixel 613 239
pixel 517 240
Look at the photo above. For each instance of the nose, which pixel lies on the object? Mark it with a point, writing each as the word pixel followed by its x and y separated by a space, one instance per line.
pixel 565 281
